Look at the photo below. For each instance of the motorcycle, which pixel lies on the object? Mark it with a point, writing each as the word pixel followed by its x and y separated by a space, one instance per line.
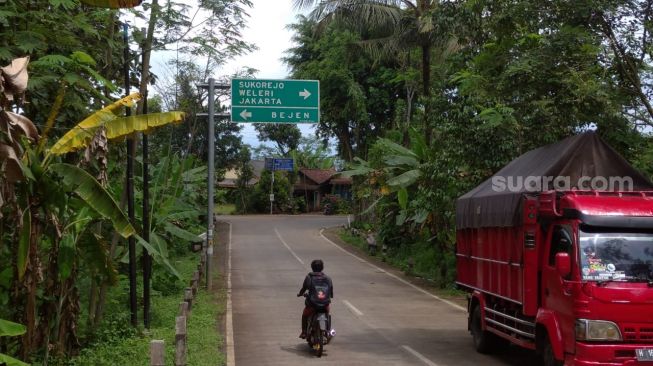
pixel 318 331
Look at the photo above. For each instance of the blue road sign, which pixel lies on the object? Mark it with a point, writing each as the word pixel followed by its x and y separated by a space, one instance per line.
pixel 279 164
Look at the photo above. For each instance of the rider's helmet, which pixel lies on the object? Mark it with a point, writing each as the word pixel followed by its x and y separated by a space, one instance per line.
pixel 317 265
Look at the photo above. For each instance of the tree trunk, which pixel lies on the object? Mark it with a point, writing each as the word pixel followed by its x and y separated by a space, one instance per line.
pixel 147 51
pixel 31 280
pixel 99 309
pixel 426 92
pixel 627 67
pixel 410 93
pixel 345 141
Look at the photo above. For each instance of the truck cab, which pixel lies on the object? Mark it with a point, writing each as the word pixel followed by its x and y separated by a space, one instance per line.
pixel 597 277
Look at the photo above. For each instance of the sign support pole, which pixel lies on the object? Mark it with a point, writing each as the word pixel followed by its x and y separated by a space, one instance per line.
pixel 272 192
pixel 210 220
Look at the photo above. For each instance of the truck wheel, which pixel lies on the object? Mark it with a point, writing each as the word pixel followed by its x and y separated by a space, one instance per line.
pixel 484 341
pixel 548 358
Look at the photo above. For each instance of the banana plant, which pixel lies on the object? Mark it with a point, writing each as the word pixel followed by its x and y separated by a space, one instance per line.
pixel 395 170
pixel 174 200
pixel 46 196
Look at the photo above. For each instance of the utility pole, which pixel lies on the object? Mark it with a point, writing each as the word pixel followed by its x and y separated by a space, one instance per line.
pixel 208 248
pixel 211 183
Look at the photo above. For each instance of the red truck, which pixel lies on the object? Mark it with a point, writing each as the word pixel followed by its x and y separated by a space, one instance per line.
pixel 562 263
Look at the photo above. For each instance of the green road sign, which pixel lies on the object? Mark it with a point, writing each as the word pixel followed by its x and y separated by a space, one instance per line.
pixel 275 101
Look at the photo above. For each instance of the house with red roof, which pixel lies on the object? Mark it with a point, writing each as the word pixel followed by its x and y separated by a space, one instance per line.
pixel 315 184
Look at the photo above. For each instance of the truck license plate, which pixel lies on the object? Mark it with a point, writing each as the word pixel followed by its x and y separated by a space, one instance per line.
pixel 644 354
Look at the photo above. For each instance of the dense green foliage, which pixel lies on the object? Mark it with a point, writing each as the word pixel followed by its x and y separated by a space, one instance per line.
pixel 116 344
pixel 467 87
pixel 357 95
pixel 62 227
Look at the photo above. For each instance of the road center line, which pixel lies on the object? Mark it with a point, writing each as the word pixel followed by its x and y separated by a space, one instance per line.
pixel 419 355
pixel 288 247
pixel 352 308
pixel 231 353
pixel 453 305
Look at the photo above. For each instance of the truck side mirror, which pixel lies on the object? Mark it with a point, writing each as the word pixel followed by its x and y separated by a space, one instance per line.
pixel 563 264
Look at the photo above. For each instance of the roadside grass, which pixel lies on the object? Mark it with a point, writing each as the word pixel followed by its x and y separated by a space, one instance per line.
pixel 119 344
pixel 419 260
pixel 352 239
pixel 225 209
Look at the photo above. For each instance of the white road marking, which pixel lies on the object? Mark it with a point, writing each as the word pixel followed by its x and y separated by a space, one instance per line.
pixel 419 355
pixel 231 353
pixel 288 247
pixel 352 308
pixel 453 305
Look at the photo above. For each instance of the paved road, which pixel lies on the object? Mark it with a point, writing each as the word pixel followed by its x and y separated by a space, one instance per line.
pixel 379 319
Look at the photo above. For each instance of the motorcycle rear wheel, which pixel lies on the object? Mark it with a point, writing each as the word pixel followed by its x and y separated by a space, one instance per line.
pixel 319 344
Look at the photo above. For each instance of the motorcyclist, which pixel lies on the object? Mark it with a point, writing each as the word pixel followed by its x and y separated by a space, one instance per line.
pixel 320 293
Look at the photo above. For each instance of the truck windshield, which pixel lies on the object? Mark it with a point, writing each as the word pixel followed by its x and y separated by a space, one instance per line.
pixel 616 256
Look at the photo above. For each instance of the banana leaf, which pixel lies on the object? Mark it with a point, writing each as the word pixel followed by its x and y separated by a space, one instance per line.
pixel 9 361
pixel 394 160
pixel 360 167
pixel 406 179
pixel 390 146
pixel 402 198
pixel 160 244
pixel 11 329
pixel 124 126
pixel 14 77
pixel 13 171
pixel 181 233
pixel 113 4
pixel 94 195
pixel 66 258
pixel 80 135
pixel 158 257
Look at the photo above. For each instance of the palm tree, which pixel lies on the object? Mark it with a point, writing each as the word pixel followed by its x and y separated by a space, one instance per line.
pixel 395 27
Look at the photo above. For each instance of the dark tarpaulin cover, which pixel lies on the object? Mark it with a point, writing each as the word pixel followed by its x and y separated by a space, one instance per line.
pixel 584 155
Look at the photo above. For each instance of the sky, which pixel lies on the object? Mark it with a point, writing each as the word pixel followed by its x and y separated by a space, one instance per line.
pixel 267 30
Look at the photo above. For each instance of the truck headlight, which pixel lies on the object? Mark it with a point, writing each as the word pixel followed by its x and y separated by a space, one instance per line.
pixel 597 330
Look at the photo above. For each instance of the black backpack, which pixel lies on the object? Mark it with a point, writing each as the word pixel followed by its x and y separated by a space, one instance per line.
pixel 319 293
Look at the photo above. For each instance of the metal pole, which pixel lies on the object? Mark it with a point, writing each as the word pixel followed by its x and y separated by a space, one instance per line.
pixel 211 137
pixel 147 258
pixel 133 305
pixel 272 189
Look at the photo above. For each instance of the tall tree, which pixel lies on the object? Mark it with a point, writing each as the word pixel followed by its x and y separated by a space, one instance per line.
pixel 285 136
pixel 357 94
pixel 393 27
pixel 626 27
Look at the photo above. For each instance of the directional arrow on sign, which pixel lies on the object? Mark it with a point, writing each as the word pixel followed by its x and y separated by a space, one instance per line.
pixel 245 114
pixel 305 93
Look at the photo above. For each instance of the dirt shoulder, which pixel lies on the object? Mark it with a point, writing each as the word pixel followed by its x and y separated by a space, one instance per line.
pixel 457 298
